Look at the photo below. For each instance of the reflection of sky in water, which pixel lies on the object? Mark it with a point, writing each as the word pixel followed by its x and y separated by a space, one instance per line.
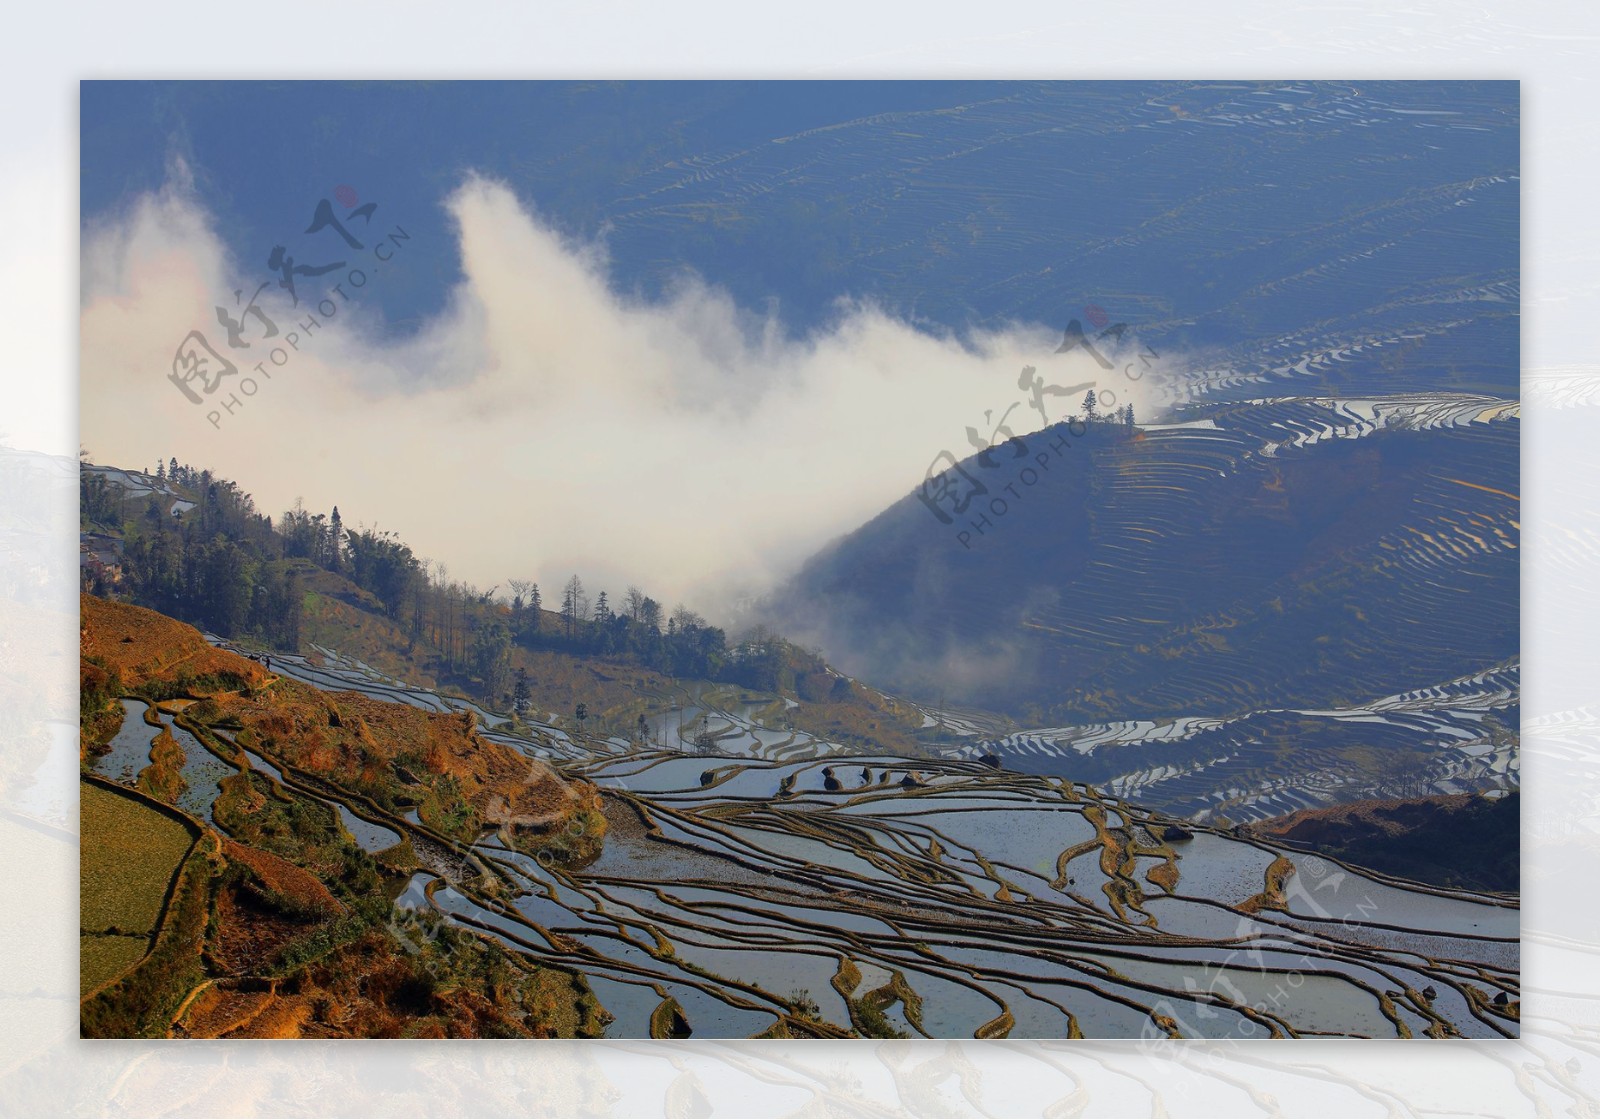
pixel 1029 839
pixel 202 772
pixel 130 747
pixel 1230 871
pixel 1014 825
pixel 371 837
pixel 1340 895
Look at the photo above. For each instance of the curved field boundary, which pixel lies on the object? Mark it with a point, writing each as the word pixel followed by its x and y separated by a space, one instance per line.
pixel 196 831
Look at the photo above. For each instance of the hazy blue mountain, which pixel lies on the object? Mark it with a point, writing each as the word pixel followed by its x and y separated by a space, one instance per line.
pixel 1237 563
pixel 1257 225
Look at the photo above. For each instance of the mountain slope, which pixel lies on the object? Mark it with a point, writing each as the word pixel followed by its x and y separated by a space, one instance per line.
pixel 1459 841
pixel 1288 553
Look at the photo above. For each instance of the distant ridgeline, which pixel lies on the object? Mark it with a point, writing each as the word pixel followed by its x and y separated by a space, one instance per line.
pixel 1298 552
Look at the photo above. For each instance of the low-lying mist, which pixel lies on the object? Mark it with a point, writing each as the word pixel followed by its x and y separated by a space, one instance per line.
pixel 543 422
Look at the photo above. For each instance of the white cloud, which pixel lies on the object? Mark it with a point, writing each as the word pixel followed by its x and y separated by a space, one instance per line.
pixel 543 423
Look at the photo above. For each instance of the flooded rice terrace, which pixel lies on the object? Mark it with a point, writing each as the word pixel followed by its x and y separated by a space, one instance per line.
pixel 1201 767
pixel 781 882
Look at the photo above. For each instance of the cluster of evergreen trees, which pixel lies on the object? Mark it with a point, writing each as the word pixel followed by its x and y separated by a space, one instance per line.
pixel 680 644
pixel 217 565
pixel 223 566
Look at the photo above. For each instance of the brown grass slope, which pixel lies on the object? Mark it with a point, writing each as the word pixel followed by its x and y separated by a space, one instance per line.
pixel 282 926
pixel 145 647
pixel 364 746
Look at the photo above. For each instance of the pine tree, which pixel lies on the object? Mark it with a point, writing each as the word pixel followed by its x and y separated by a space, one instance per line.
pixel 335 542
pixel 520 695
pixel 1089 405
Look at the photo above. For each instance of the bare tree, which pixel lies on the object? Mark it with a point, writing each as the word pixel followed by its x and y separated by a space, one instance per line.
pixel 574 606
pixel 633 605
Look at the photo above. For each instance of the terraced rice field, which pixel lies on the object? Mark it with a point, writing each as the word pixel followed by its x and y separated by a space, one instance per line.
pixel 743 893
pixel 203 771
pixel 1004 903
pixel 1403 556
pixel 1455 737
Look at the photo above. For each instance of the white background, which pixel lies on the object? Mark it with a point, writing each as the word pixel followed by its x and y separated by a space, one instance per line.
pixel 1551 47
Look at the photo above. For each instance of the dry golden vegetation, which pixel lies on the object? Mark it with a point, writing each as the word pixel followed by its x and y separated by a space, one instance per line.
pixel 146 648
pixel 275 923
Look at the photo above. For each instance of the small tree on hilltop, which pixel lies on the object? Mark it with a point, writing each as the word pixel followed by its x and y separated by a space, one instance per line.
pixel 1089 405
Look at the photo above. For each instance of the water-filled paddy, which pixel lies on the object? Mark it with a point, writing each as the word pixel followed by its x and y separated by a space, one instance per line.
pixel 130 747
pixel 372 837
pixel 774 890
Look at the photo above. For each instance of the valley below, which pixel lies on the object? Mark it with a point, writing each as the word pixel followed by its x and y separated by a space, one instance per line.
pixel 745 878
pixel 946 560
pixel 1008 792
